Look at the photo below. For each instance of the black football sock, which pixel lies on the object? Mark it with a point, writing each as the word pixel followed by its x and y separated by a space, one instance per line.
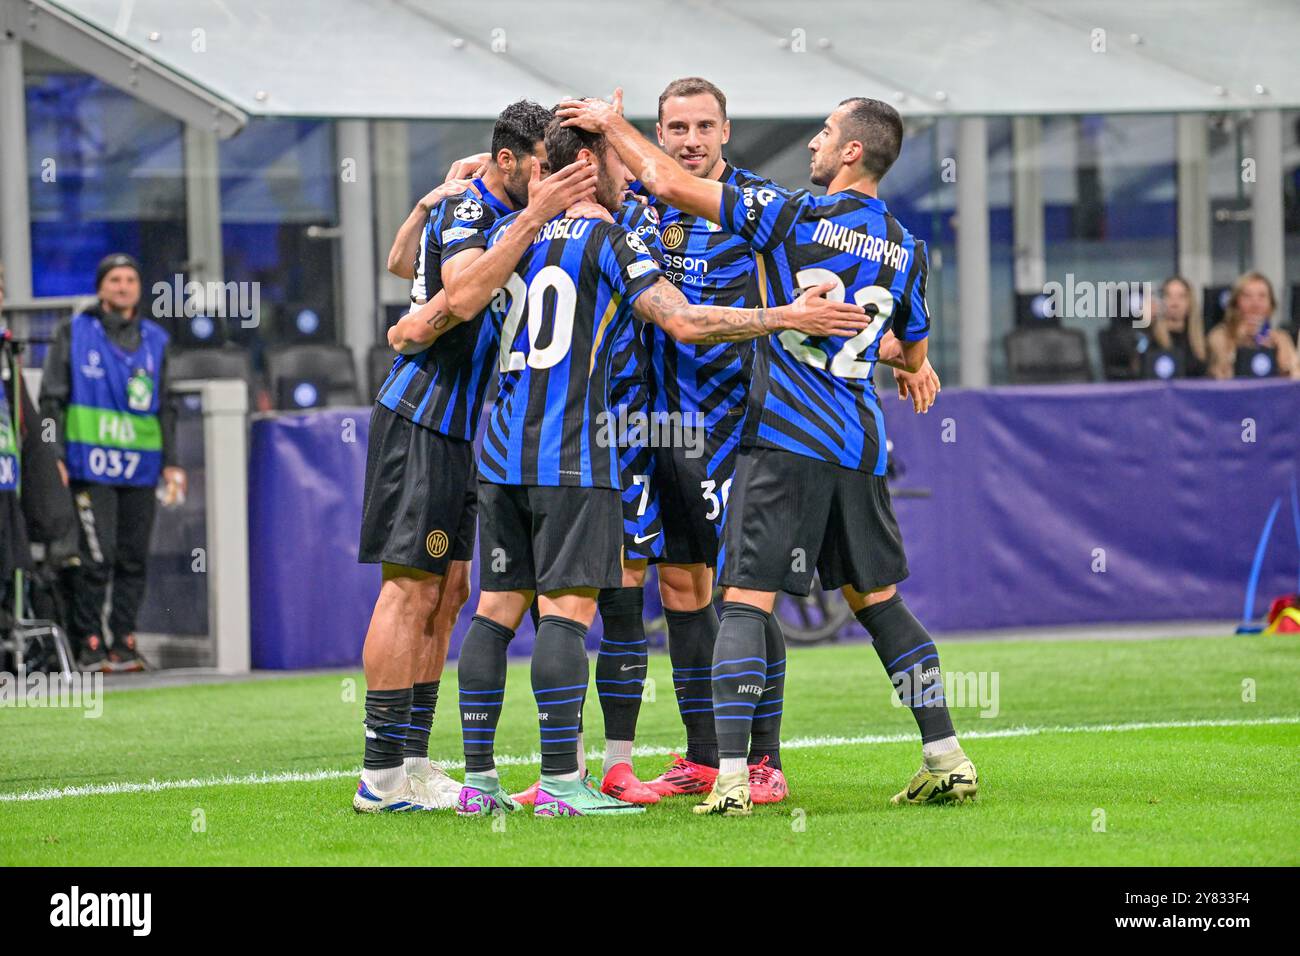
pixel 482 675
pixel 739 669
pixel 621 662
pixel 766 740
pixel 424 701
pixel 691 637
pixel 912 662
pixel 560 675
pixel 388 712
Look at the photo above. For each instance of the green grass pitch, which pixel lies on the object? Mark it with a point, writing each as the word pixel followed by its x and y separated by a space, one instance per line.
pixel 1102 753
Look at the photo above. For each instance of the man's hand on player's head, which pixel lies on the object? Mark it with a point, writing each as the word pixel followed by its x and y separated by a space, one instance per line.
pixel 589 209
pixel 549 197
pixel 921 387
pixel 452 187
pixel 469 167
pixel 592 115
pixel 814 314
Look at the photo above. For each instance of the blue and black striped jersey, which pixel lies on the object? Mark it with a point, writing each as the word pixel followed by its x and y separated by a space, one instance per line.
pixel 814 395
pixel 630 385
pixel 711 266
pixel 629 402
pixel 442 387
pixel 569 300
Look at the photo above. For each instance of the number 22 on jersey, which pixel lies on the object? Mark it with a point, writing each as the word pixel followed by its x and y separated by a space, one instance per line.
pixel 846 363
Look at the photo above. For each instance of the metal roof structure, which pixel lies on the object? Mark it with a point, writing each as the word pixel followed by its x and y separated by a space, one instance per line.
pixel 219 62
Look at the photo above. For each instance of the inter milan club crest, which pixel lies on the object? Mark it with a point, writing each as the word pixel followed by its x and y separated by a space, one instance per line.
pixel 468 210
pixel 673 236
pixel 436 544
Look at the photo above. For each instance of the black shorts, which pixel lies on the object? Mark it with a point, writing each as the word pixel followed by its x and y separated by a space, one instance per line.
pixel 790 515
pixel 547 539
pixel 693 492
pixel 421 496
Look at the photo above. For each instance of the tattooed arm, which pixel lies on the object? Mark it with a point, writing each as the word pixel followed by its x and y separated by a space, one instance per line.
pixel 812 313
pixel 471 283
pixel 472 276
pixel 419 329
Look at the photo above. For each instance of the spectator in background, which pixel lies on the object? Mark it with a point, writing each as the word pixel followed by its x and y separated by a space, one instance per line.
pixel 104 386
pixel 1178 327
pixel 1246 324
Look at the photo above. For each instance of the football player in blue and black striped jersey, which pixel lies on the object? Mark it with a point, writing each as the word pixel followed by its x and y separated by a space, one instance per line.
pixel 551 518
pixel 706 385
pixel 809 492
pixel 419 501
pixel 621 660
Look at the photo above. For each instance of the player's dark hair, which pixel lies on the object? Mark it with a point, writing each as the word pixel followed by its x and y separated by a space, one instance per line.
pixel 564 142
pixel 692 86
pixel 878 127
pixel 519 128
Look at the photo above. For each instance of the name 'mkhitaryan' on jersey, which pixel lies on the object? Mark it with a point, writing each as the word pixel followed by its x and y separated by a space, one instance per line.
pixel 568 301
pixel 442 387
pixel 813 395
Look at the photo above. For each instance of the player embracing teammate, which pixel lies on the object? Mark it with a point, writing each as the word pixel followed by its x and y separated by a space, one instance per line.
pixel 809 492
pixel 420 497
pixel 551 518
pixel 787 476
pixel 703 387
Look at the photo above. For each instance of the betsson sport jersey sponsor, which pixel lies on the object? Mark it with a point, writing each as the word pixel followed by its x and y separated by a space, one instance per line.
pixel 813 395
pixel 569 300
pixel 442 387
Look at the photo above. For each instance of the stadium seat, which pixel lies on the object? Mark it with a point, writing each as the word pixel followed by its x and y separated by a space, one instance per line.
pixel 229 361
pixel 1121 354
pixel 378 363
pixel 325 370
pixel 197 332
pixel 1215 304
pixel 1043 355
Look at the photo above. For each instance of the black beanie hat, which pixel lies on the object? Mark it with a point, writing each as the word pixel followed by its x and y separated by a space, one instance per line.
pixel 113 261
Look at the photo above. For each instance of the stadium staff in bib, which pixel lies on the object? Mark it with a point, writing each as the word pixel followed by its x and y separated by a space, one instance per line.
pixel 104 388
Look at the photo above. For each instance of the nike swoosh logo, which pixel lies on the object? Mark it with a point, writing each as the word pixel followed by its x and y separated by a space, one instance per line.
pixel 631 667
pixel 913 794
pixel 640 540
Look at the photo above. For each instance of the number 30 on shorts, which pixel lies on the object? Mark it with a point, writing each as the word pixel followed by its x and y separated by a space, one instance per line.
pixel 709 495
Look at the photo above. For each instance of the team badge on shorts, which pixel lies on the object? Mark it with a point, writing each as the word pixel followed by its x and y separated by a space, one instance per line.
pixel 436 544
pixel 468 210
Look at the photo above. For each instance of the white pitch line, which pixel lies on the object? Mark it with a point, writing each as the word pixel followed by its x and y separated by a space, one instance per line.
pixel 797 743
